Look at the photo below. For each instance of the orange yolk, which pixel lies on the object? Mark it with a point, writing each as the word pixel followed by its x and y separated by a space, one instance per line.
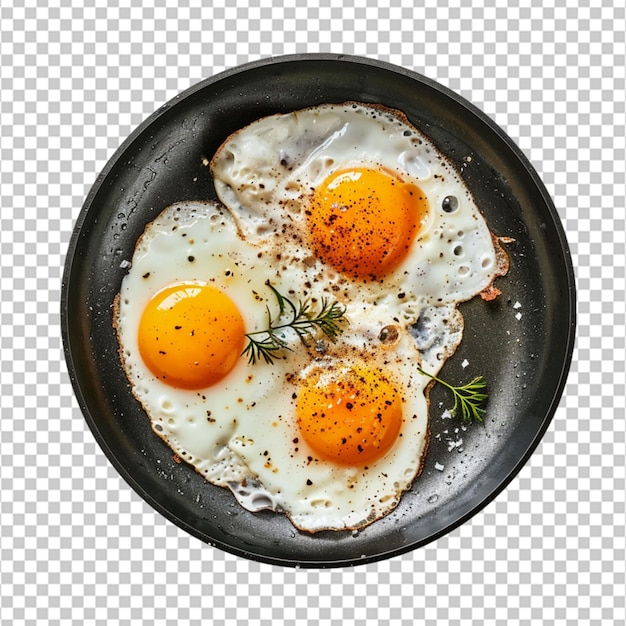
pixel 351 419
pixel 363 221
pixel 191 336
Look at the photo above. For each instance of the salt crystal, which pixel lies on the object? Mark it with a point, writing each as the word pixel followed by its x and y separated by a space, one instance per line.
pixel 465 364
pixel 439 467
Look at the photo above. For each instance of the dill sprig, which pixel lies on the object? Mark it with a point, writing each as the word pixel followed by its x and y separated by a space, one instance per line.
pixel 302 320
pixel 467 397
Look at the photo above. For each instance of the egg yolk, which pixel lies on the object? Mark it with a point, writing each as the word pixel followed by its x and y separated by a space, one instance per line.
pixel 351 416
pixel 362 221
pixel 190 335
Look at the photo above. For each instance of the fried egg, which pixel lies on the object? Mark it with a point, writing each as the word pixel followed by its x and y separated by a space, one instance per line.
pixel 193 289
pixel 357 201
pixel 343 203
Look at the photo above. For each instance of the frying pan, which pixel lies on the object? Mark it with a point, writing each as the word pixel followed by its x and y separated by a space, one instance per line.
pixel 521 343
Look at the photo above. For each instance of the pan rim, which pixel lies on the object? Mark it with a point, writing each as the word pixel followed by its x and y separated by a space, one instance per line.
pixel 78 231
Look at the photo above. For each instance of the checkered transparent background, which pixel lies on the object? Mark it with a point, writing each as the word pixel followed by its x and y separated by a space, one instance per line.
pixel 77 546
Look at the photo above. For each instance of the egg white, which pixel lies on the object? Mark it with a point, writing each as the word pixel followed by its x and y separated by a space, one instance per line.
pixel 264 172
pixel 240 433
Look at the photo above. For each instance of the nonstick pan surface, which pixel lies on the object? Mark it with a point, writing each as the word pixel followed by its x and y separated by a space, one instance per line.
pixel 521 343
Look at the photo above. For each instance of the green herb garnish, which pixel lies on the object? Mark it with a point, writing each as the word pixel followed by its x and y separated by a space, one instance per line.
pixel 467 397
pixel 303 321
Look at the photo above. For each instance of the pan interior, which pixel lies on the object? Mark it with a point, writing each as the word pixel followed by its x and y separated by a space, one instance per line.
pixel 521 343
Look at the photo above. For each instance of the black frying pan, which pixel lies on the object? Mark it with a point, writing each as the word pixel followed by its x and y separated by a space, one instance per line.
pixel 525 358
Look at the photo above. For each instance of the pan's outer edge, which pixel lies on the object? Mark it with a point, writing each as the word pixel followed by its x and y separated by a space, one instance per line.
pixel 277 61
